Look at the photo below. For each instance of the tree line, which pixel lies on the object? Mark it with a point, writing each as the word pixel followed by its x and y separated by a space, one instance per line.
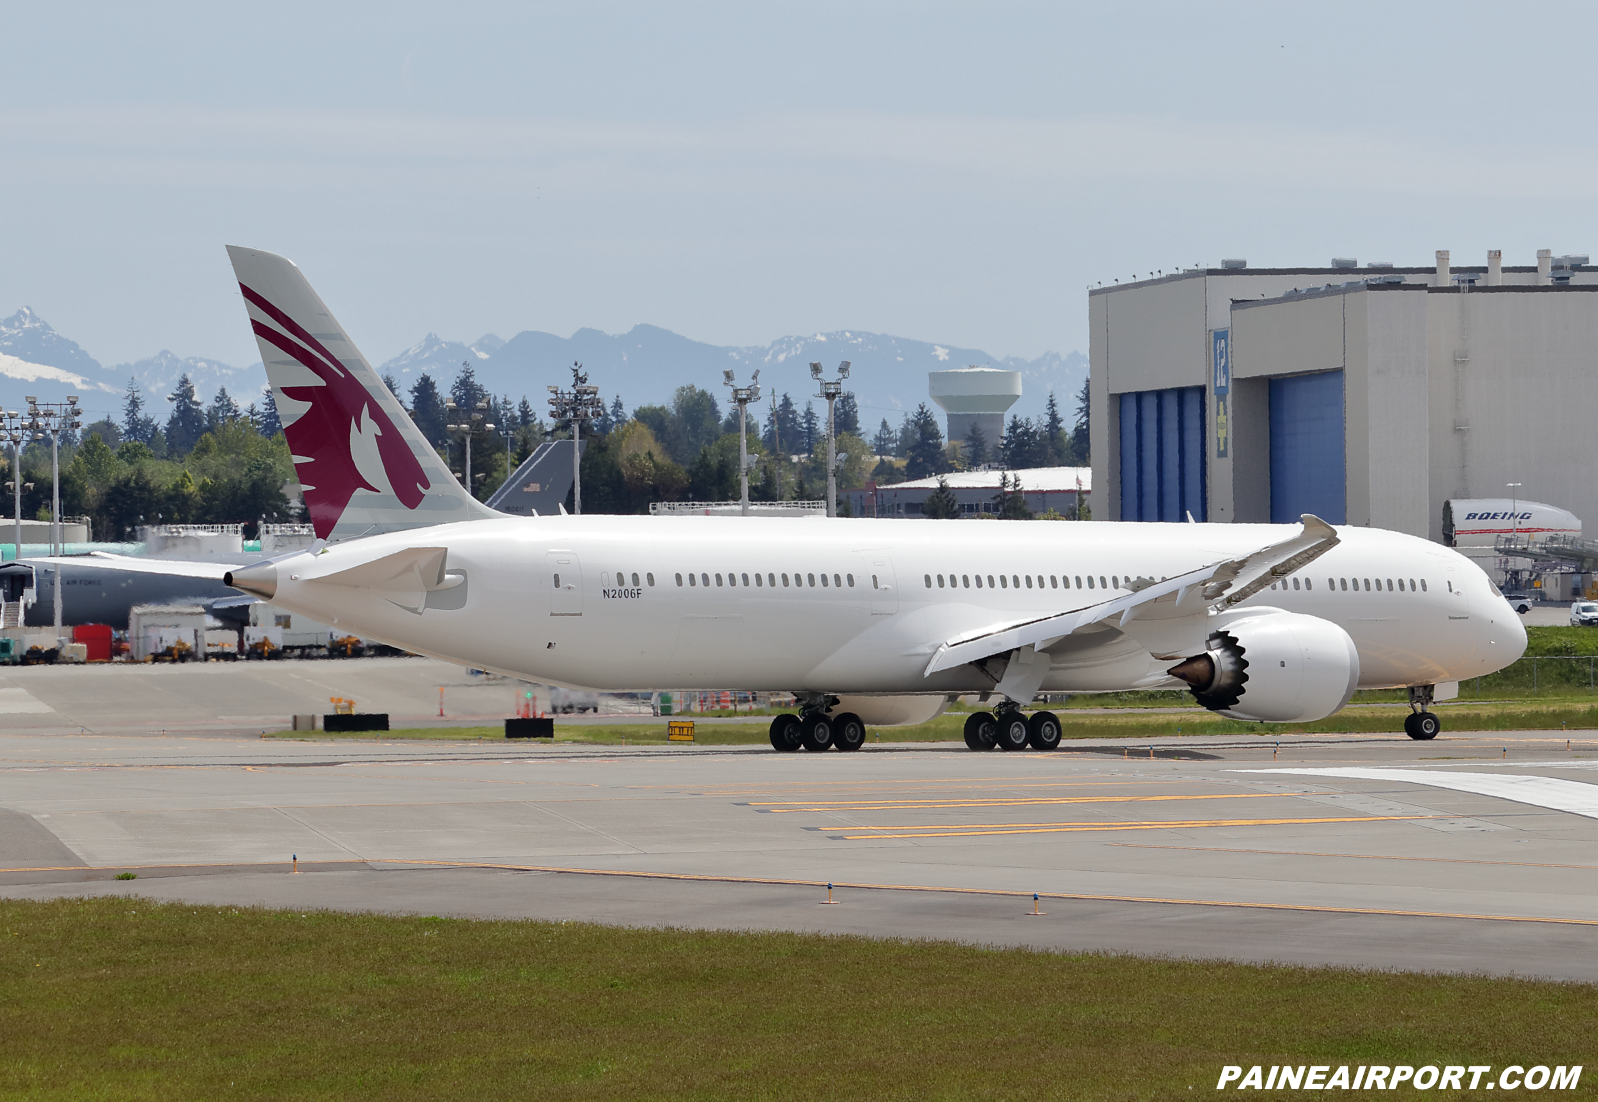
pixel 226 463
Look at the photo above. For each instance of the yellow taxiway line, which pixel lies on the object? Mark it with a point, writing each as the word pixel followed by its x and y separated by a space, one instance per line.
pixel 1019 801
pixel 1174 824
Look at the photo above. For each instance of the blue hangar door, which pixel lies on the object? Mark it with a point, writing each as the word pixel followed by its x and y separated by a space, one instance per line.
pixel 1162 454
pixel 1308 465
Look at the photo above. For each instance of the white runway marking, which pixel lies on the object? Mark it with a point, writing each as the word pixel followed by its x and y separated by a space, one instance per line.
pixel 16 701
pixel 1576 797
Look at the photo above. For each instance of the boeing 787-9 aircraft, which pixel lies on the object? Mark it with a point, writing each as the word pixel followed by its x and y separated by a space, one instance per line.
pixel 866 621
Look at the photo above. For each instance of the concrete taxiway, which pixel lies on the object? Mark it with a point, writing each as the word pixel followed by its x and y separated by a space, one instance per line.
pixel 1470 853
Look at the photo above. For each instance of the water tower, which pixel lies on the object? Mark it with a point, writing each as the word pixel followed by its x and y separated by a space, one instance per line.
pixel 975 396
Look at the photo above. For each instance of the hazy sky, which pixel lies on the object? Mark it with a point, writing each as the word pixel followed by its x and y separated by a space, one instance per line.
pixel 741 172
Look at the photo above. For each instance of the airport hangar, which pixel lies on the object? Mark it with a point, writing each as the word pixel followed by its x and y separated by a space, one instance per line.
pixel 1367 396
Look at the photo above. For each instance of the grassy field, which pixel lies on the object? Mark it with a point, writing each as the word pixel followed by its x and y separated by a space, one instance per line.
pixel 1554 716
pixel 126 999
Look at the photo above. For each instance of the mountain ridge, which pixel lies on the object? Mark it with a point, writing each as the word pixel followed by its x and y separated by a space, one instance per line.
pixel 643 365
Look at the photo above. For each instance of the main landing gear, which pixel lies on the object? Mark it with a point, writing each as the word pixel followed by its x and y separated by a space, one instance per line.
pixel 817 731
pixel 1420 724
pixel 1006 728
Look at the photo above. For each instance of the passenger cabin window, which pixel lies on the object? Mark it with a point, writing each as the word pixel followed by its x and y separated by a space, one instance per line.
pixel 965 580
pixel 557 581
pixel 940 581
pixel 704 579
pixel 1423 585
pixel 823 581
pixel 758 580
pixel 771 580
pixel 1090 581
pixel 812 578
pixel 1004 582
pixel 874 584
pixel 850 579
pixel 837 582
pixel 929 580
pixel 650 578
pixel 785 581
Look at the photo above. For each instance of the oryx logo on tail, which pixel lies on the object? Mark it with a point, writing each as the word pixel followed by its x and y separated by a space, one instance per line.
pixel 347 434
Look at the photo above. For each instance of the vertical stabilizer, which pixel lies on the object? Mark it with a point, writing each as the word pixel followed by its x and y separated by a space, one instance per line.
pixel 362 464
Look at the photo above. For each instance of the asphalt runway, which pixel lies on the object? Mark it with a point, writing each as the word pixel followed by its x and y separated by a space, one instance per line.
pixel 1470 853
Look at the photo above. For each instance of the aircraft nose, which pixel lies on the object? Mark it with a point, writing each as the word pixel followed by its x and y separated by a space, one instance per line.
pixel 1505 634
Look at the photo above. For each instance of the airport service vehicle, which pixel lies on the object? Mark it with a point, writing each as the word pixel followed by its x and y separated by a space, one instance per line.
pixel 865 621
pixel 1520 602
pixel 1584 614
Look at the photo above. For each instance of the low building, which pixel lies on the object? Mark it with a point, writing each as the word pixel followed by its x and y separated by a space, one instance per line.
pixel 1058 488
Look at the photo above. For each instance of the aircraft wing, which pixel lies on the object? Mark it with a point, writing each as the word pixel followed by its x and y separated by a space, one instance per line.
pixel 1216 586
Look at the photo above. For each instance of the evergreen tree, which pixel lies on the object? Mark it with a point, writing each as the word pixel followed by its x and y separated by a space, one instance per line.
pixel 267 423
pixel 618 412
pixel 135 425
pixel 223 409
pixel 941 503
pixel 976 447
pixel 782 426
pixel 1056 447
pixel 884 442
pixel 427 409
pixel 466 391
pixel 524 414
pixel 925 452
pixel 1082 453
pixel 392 384
pixel 1011 501
pixel 811 429
pixel 846 414
pixel 187 423
pixel 1020 446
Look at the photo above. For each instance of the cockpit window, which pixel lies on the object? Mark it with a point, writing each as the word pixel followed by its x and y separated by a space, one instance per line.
pixel 1496 591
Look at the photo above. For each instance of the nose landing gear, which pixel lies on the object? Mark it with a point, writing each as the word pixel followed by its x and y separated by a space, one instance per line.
pixel 1421 724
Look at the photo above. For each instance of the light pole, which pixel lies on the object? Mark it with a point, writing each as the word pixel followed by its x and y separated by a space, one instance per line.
pixel 581 403
pixel 54 418
pixel 1514 508
pixel 14 429
pixel 466 427
pixel 743 395
pixel 830 390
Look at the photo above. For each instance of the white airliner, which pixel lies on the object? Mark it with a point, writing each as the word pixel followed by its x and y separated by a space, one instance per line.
pixel 866 621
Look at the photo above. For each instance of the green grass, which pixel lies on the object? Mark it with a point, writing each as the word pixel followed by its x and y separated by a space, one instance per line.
pixel 127 999
pixel 1553 715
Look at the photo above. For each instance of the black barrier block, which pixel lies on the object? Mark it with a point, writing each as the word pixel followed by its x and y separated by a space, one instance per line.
pixel 530 728
pixel 360 721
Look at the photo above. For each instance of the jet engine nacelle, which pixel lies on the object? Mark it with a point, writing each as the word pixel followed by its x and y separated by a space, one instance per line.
pixel 1273 666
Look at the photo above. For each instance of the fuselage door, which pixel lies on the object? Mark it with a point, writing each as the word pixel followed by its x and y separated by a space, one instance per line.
pixel 878 570
pixel 566 583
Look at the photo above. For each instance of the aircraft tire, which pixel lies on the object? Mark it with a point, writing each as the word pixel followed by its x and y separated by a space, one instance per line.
pixel 848 731
pixel 785 732
pixel 815 732
pixel 1012 733
pixel 1043 730
pixel 980 729
pixel 1422 726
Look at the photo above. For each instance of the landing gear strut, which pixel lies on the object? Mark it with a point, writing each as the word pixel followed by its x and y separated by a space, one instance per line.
pixel 814 729
pixel 1421 724
pixel 1008 729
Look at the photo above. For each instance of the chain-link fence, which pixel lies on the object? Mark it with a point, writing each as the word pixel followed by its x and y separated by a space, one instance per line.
pixel 1542 676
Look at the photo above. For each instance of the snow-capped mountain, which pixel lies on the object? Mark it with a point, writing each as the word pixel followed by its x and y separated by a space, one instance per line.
pixel 36 360
pixel 157 375
pixel 440 358
pixel 645 364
